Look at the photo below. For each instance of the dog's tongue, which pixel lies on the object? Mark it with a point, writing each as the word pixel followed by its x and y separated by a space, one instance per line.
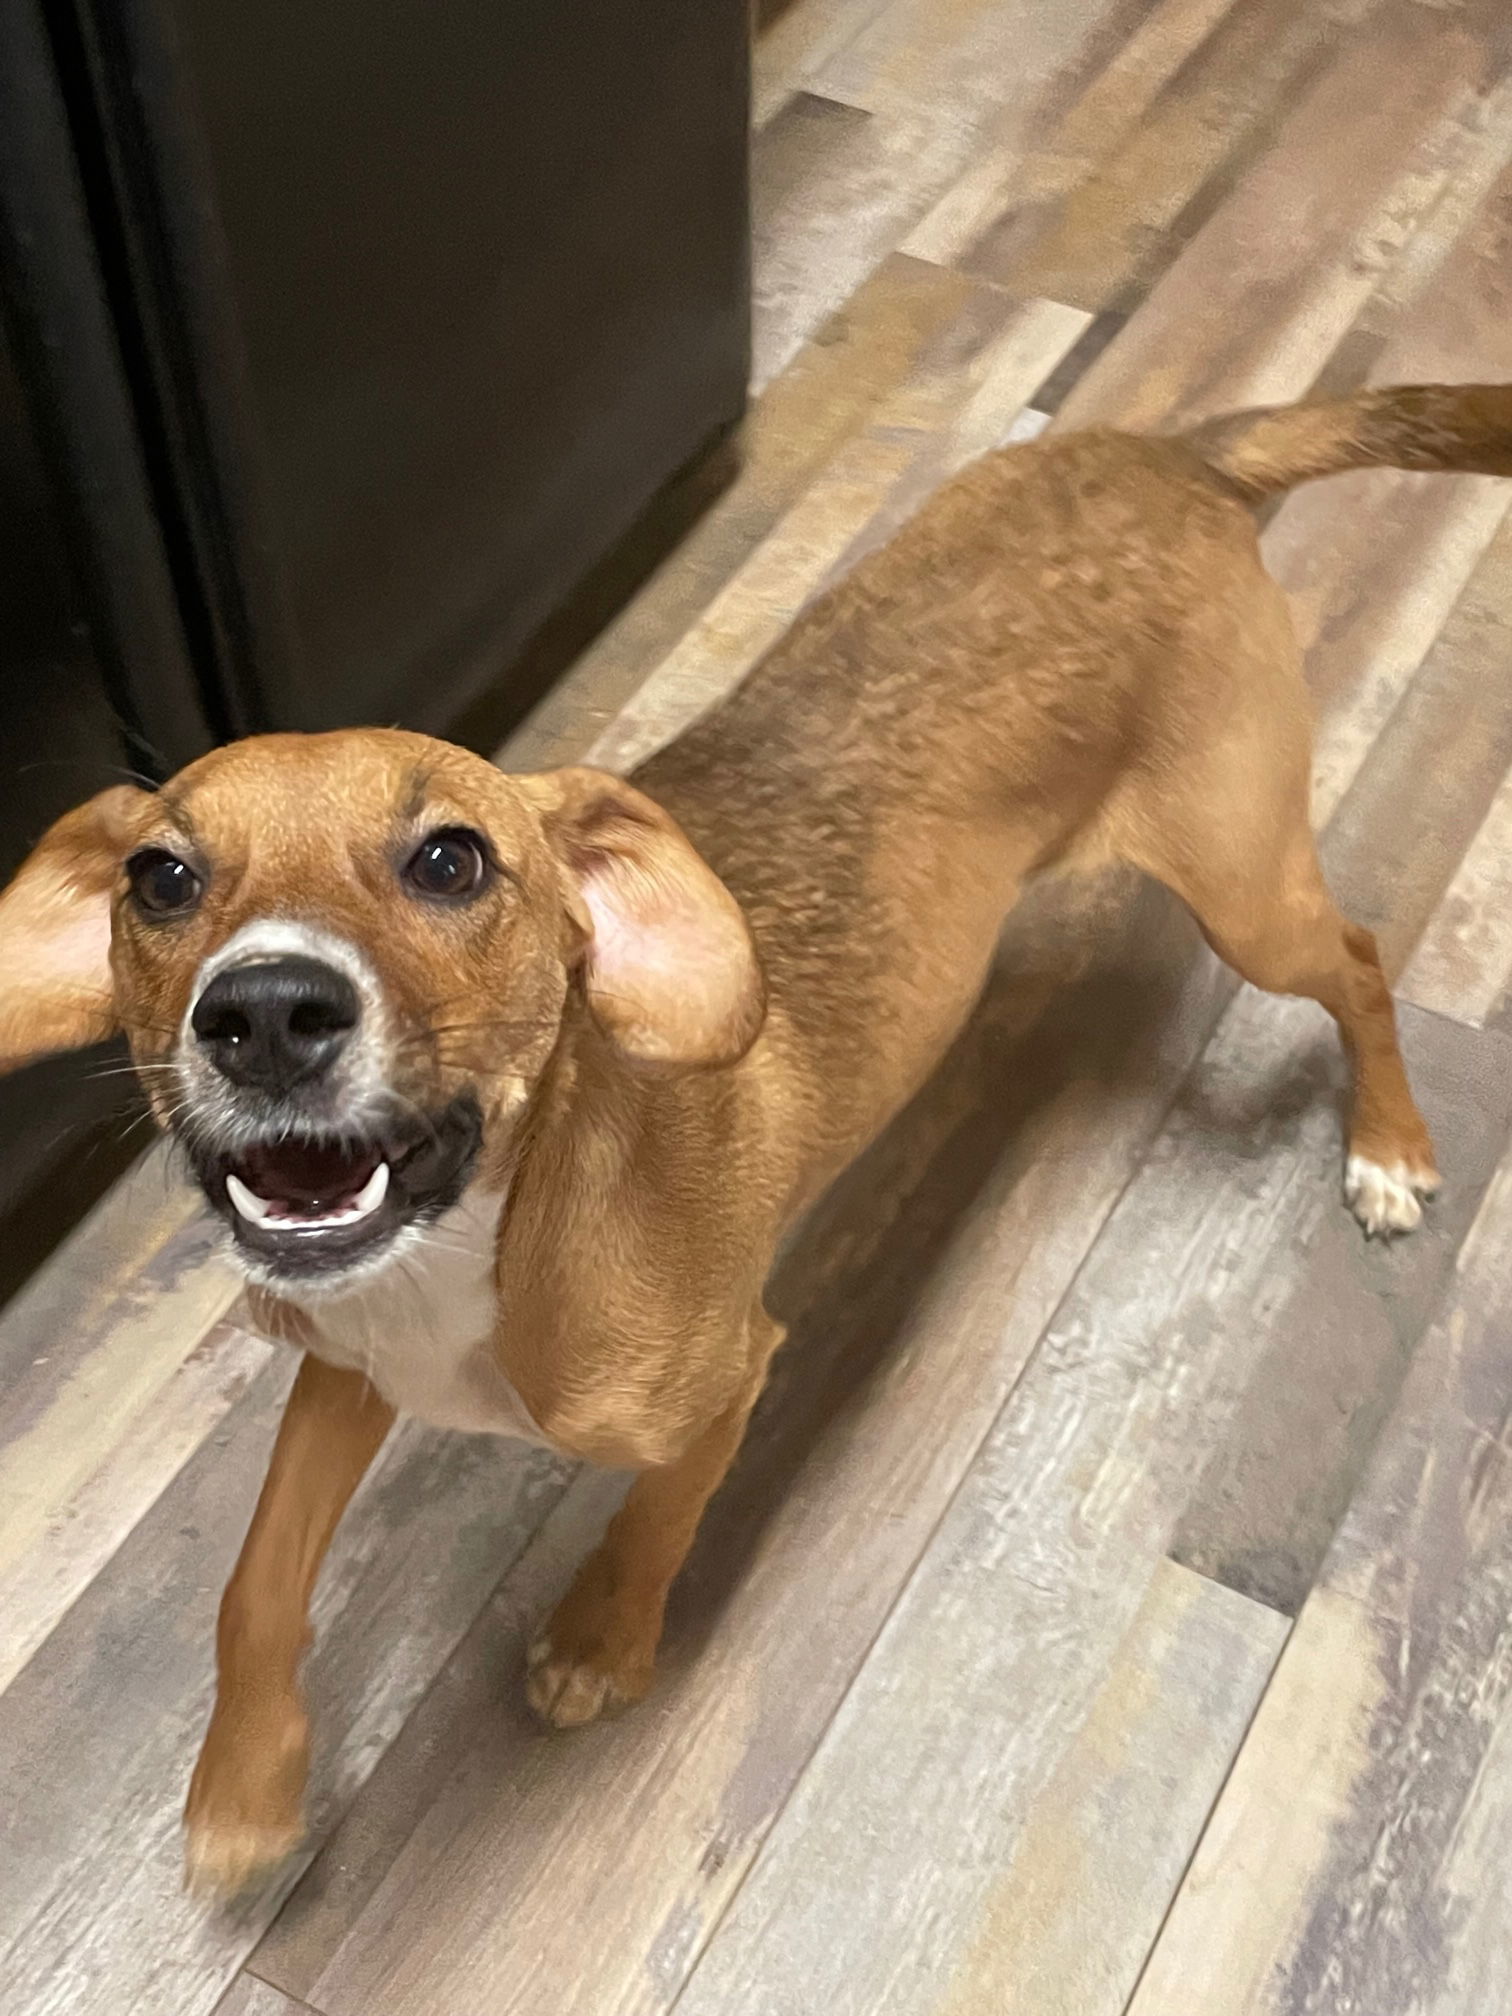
pixel 307 1178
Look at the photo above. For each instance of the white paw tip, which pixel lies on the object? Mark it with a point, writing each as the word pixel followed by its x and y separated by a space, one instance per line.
pixel 1387 1198
pixel 222 1861
pixel 568 1695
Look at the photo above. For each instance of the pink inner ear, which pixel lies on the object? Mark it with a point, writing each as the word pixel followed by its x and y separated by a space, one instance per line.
pixel 74 948
pixel 671 971
pixel 55 984
pixel 648 942
pixel 631 945
pixel 54 934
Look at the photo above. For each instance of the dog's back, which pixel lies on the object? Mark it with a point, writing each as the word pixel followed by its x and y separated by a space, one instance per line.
pixel 1073 652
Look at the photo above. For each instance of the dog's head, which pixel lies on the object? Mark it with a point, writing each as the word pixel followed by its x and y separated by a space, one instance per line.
pixel 344 961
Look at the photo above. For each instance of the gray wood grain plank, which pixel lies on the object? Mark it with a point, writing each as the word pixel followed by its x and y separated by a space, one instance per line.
pixel 1065 1924
pixel 1354 1864
pixel 922 1817
pixel 1262 1509
pixel 114 1366
pixel 88 1517
pixel 1453 722
pixel 1462 965
pixel 958 62
pixel 1374 564
pixel 98 1733
pixel 1438 284
pixel 482 1679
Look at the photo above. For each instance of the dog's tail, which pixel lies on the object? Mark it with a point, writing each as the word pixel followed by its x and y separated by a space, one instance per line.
pixel 1460 427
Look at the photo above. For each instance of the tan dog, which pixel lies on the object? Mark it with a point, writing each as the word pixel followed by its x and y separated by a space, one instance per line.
pixel 504 1088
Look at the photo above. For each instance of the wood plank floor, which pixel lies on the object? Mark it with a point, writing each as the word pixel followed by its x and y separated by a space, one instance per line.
pixel 1108 1612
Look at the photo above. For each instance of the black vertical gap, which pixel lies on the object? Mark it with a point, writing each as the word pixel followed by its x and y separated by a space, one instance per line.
pixel 152 210
pixel 60 327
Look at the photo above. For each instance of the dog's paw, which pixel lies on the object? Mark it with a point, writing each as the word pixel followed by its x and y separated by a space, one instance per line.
pixel 568 1687
pixel 1387 1199
pixel 223 1859
pixel 245 1811
pixel 564 1691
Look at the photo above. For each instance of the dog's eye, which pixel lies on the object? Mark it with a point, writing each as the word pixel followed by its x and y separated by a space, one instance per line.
pixel 162 885
pixel 451 863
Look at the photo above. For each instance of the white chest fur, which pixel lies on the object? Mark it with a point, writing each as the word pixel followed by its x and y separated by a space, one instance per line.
pixel 423 1328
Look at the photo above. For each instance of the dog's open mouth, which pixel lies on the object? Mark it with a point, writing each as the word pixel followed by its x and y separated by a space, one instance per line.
pixel 308 1186
pixel 320 1205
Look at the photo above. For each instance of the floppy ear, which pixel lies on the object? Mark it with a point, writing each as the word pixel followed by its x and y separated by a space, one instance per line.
pixel 55 984
pixel 670 971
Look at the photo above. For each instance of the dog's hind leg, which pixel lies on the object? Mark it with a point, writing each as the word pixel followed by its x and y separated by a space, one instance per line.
pixel 1245 862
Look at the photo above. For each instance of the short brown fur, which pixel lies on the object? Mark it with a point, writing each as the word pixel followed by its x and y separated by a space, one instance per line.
pixel 1073 654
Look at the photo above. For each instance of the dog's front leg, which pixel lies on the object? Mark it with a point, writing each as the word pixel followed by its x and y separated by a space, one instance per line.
pixel 599 1647
pixel 246 1801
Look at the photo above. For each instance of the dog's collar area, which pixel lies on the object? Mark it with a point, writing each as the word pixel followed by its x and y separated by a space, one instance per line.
pixel 303 1207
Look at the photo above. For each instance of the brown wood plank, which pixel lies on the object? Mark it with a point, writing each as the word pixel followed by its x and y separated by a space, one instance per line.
pixel 975 404
pixel 998 181
pixel 248 1996
pixel 961 59
pixel 797 425
pixel 932 76
pixel 1103 231
pixel 831 195
pixel 800 41
pixel 99 1731
pixel 1438 284
pixel 1373 566
pixel 1354 1862
pixel 1168 1370
pixel 1299 241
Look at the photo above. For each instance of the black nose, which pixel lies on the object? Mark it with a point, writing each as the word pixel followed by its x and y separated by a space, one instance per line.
pixel 273 1023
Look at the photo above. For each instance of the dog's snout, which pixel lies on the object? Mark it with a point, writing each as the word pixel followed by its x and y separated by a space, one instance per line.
pixel 275 1023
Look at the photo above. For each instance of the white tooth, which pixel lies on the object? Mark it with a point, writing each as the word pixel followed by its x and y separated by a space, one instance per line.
pixel 369 1197
pixel 247 1202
